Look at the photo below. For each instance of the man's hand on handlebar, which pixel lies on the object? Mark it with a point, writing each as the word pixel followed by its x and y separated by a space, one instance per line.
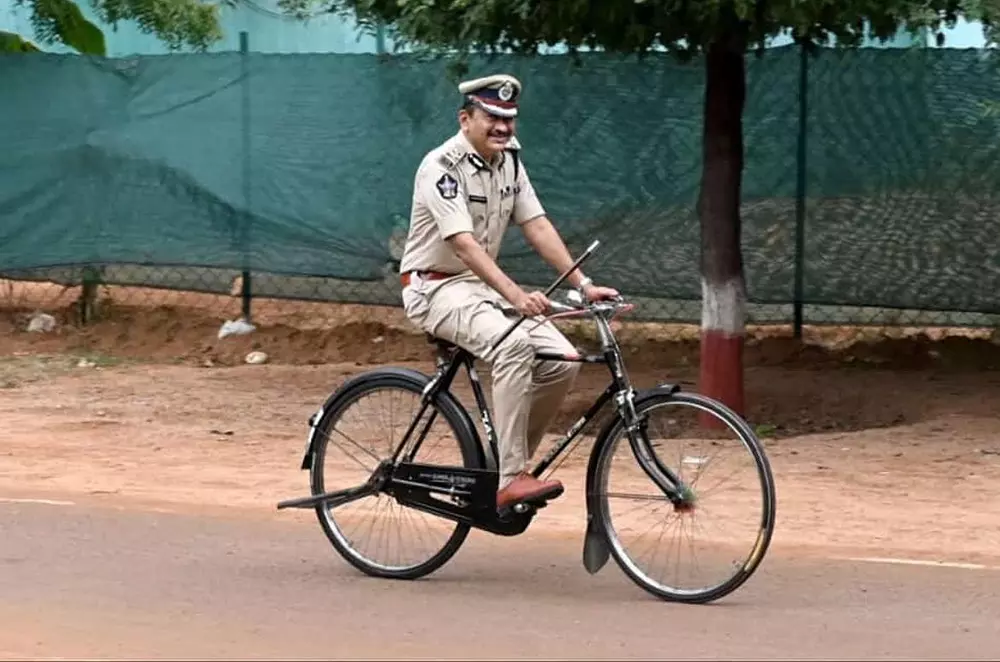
pixel 598 293
pixel 530 304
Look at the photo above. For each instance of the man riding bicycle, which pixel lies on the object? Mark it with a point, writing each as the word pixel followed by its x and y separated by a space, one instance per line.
pixel 466 192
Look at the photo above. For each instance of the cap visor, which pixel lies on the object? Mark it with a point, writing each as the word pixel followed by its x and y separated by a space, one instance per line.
pixel 496 110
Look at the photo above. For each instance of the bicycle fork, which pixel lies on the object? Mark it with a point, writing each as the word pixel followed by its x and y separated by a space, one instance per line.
pixel 635 426
pixel 642 449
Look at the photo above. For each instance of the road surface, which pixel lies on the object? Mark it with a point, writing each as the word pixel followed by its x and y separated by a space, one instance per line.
pixel 89 580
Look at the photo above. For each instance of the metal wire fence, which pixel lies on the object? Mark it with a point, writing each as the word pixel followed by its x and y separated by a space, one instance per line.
pixel 868 190
pixel 82 295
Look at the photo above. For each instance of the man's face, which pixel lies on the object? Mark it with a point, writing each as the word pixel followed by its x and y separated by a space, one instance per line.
pixel 487 133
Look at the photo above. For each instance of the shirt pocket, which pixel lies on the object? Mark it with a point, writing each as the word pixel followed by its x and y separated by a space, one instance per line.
pixel 507 195
pixel 480 213
pixel 507 209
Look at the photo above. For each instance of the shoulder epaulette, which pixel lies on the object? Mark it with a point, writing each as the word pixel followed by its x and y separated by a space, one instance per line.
pixel 450 158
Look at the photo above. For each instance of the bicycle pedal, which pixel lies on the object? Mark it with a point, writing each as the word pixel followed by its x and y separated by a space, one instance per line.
pixel 520 508
pixel 528 506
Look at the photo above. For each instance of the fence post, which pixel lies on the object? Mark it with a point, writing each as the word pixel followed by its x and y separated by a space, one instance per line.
pixel 245 130
pixel 800 192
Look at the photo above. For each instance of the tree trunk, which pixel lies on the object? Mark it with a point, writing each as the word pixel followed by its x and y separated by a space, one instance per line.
pixel 723 313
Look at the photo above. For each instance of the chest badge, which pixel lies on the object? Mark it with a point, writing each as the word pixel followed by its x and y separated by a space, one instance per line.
pixel 508 191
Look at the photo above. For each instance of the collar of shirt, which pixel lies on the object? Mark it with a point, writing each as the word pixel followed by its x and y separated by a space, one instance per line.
pixel 473 157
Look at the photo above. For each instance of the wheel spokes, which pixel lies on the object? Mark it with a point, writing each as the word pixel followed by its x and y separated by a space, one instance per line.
pixel 377 529
pixel 699 544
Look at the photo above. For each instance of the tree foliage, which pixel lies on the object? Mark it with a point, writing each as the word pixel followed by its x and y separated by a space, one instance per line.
pixel 683 27
pixel 177 23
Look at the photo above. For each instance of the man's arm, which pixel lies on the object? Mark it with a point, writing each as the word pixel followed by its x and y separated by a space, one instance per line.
pixel 545 239
pixel 480 263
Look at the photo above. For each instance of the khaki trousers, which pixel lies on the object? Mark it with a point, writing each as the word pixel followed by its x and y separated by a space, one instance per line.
pixel 527 393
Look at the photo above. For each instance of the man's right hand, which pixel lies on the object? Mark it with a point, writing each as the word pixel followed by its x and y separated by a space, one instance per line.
pixel 480 263
pixel 530 304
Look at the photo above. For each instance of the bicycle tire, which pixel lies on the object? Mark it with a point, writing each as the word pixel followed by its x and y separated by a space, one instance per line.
pixel 599 506
pixel 447 407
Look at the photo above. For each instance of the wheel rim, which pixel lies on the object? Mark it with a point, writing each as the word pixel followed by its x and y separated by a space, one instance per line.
pixel 376 530
pixel 708 461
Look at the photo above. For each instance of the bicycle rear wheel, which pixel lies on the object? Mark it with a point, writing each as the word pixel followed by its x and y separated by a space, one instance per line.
pixel 362 429
pixel 728 478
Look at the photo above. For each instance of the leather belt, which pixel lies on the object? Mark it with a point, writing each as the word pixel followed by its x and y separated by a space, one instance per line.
pixel 426 275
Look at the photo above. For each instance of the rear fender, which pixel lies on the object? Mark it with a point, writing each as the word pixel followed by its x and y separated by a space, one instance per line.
pixel 335 401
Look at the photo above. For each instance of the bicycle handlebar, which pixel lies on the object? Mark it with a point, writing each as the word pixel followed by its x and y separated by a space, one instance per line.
pixel 559 307
pixel 586 254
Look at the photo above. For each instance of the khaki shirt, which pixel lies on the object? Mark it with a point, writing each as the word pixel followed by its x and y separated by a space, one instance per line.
pixel 454 191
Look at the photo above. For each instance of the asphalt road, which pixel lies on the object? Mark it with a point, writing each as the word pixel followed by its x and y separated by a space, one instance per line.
pixel 90 581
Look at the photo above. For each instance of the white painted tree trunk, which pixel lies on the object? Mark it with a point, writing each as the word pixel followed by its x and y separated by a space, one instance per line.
pixel 723 327
pixel 724 308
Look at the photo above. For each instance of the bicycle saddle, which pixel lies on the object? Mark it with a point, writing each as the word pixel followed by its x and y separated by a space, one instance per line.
pixel 442 344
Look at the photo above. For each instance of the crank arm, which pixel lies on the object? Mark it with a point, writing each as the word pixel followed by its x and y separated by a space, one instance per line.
pixel 333 499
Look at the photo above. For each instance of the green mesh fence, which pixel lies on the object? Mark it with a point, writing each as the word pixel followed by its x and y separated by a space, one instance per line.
pixel 183 171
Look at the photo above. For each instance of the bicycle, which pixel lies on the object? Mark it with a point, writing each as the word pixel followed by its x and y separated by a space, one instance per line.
pixel 461 493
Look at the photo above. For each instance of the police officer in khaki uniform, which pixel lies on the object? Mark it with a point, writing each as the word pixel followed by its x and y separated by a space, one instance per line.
pixel 466 193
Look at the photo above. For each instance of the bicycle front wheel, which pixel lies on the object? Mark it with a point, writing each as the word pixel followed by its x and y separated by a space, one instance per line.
pixel 376 534
pixel 702 551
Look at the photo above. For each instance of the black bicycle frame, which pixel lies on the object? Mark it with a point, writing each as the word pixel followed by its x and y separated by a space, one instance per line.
pixel 619 386
pixel 446 376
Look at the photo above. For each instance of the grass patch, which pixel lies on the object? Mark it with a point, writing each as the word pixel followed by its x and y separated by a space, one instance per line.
pixel 765 430
pixel 21 369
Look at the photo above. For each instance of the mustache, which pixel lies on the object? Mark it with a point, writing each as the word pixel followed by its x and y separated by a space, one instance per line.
pixel 500 134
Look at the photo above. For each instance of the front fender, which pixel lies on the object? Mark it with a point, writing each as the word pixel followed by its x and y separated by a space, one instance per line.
pixel 596 550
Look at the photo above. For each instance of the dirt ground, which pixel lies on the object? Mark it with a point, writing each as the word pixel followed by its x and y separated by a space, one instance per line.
pixel 878 444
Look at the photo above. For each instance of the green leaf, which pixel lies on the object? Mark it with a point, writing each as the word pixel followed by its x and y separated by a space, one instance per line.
pixel 177 23
pixel 11 42
pixel 62 21
pixel 80 34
